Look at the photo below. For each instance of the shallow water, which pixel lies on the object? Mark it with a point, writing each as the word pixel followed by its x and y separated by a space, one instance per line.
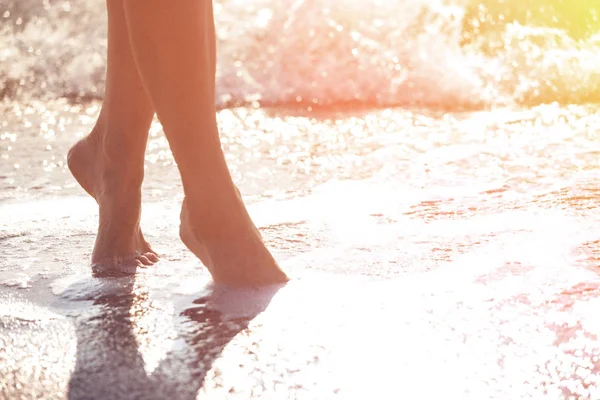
pixel 436 204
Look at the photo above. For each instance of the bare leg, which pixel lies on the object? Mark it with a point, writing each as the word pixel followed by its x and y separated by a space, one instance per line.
pixel 173 44
pixel 109 162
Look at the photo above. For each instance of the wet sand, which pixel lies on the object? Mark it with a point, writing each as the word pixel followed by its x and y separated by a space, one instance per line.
pixel 433 256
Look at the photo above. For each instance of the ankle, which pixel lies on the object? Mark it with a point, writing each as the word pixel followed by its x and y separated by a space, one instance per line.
pixel 211 188
pixel 121 144
pixel 216 220
pixel 121 183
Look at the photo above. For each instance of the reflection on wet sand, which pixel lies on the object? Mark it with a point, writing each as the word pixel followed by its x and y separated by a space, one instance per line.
pixel 483 227
pixel 113 355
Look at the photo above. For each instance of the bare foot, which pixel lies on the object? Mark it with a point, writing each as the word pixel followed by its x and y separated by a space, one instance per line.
pixel 230 246
pixel 120 245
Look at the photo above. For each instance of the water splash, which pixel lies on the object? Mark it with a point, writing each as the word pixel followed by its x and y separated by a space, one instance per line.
pixel 324 53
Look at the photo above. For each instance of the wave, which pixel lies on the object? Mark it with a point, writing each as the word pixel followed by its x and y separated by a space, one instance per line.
pixel 323 53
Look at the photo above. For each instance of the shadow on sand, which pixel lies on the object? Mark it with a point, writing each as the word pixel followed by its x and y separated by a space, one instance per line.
pixel 110 365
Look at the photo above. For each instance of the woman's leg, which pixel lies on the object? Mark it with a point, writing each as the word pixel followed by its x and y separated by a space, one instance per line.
pixel 109 162
pixel 173 43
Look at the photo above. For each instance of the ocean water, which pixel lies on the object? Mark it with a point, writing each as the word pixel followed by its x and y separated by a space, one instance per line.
pixel 449 54
pixel 433 165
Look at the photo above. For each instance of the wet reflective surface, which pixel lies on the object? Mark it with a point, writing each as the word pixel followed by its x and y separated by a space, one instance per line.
pixel 116 357
pixel 433 255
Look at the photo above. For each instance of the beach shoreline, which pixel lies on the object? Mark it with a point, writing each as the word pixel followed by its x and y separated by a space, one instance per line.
pixel 439 239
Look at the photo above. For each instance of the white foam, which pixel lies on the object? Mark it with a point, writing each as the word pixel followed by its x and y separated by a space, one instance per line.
pixel 84 287
pixel 324 52
pixel 21 281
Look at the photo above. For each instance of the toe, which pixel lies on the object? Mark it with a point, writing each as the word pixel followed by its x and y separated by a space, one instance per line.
pixel 148 250
pixel 144 260
pixel 152 256
pixel 143 246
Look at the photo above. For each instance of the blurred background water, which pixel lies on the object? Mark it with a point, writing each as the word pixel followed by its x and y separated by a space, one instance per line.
pixel 450 54
pixel 514 69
